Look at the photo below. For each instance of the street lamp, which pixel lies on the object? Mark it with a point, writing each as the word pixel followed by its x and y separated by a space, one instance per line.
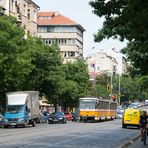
pixel 111 85
pixel 119 88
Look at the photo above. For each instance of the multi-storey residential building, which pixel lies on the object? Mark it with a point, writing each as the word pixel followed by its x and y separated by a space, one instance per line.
pixel 4 4
pixel 108 61
pixel 101 63
pixel 25 11
pixel 55 28
pixel 122 65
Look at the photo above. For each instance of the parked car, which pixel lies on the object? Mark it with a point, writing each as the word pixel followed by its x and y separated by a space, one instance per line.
pixel 1 117
pixel 120 111
pixel 146 102
pixel 135 105
pixel 46 115
pixel 68 116
pixel 41 118
pixel 75 117
pixel 57 117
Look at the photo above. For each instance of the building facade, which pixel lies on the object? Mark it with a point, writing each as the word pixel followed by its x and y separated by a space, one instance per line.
pixel 25 11
pixel 106 61
pixel 55 28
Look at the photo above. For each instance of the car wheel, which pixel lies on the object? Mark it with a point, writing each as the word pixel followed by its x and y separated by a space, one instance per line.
pixel 123 125
pixel 25 125
pixel 33 123
pixel 49 122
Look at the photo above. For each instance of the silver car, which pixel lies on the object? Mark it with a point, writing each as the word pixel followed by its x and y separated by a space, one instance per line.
pixel 120 111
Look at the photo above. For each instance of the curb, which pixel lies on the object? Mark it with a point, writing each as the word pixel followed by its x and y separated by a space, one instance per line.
pixel 130 141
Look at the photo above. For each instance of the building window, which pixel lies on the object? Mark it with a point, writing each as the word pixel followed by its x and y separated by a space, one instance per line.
pixel 42 29
pixel 71 54
pixel 28 16
pixel 25 10
pixel 50 29
pixel 18 9
pixel 65 55
pixel 47 41
pixel 34 15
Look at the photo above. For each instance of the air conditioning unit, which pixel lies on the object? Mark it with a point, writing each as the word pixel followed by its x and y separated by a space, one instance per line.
pixel 16 3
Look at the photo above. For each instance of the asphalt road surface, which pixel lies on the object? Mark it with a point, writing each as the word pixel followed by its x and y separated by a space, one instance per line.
pixel 108 134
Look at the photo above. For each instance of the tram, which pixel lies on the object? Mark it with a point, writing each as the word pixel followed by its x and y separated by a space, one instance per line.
pixel 95 109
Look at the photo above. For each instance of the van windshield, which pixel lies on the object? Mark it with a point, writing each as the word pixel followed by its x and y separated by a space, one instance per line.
pixel 15 108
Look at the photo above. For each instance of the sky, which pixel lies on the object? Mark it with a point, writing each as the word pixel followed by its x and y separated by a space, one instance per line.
pixel 81 12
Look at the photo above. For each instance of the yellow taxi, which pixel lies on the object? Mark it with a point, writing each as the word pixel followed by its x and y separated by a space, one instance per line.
pixel 131 117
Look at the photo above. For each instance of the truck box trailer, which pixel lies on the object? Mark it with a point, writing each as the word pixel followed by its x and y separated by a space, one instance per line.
pixel 22 108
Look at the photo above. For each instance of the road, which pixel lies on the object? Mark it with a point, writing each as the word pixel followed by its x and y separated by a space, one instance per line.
pixel 107 134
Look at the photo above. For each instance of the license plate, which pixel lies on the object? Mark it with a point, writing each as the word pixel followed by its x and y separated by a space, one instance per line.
pixel 55 120
pixel 128 120
pixel 12 123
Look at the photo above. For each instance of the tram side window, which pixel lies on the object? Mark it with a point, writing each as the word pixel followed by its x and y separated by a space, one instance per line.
pixel 113 106
pixel 107 105
pixel 100 104
pixel 103 105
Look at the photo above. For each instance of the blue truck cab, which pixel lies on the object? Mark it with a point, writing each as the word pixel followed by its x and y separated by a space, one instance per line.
pixel 22 109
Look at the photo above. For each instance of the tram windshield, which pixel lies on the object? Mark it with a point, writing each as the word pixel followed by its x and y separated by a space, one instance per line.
pixel 87 104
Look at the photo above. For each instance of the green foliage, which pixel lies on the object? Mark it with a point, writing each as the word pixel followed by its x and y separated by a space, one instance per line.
pixel 126 19
pixel 29 64
pixel 15 63
pixel 76 81
pixel 101 85
pixel 130 88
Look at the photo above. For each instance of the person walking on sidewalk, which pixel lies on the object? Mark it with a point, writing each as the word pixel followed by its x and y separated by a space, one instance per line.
pixel 143 122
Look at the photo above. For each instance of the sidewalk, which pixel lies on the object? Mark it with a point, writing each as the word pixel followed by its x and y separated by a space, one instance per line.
pixel 130 142
pixel 138 144
pixel 135 143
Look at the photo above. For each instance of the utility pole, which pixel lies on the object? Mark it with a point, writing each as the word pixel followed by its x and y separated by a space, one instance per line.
pixel 111 84
pixel 119 88
pixel 95 79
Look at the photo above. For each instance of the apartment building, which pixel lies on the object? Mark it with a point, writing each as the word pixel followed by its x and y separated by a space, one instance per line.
pixel 55 28
pixel 101 63
pixel 25 11
pixel 106 61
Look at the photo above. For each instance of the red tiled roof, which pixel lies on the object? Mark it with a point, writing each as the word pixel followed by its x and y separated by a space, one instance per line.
pixel 94 74
pixel 55 19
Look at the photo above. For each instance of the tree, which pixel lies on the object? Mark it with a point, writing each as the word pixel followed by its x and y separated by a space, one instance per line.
pixel 47 75
pixel 15 63
pixel 76 84
pixel 27 64
pixel 126 19
pixel 101 86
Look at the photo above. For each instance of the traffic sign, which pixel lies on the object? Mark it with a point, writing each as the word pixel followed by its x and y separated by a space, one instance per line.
pixel 108 87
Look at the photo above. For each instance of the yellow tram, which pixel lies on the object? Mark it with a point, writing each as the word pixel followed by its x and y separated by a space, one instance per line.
pixel 95 109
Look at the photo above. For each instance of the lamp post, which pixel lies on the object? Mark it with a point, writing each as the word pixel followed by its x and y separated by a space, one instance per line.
pixel 95 79
pixel 111 85
pixel 119 88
